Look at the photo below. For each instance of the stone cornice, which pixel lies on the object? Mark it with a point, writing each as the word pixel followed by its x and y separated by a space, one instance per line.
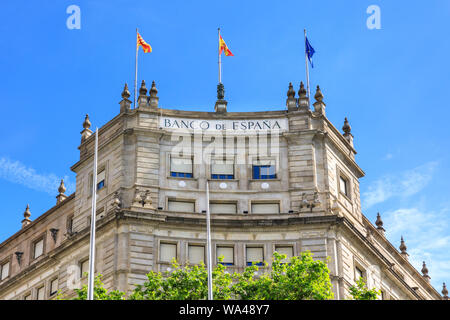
pixel 399 258
pixel 37 220
pixel 389 265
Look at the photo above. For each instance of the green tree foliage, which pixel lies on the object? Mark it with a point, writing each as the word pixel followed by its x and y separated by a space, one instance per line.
pixel 361 292
pixel 300 278
pixel 100 293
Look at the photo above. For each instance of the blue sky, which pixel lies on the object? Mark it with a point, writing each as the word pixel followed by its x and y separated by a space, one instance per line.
pixel 391 83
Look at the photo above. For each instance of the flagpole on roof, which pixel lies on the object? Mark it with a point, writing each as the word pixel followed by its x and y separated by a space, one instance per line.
pixel 208 245
pixel 220 62
pixel 92 240
pixel 135 73
pixel 307 72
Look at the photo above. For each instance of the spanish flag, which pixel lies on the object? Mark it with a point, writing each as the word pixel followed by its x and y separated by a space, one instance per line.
pixel 223 47
pixel 141 42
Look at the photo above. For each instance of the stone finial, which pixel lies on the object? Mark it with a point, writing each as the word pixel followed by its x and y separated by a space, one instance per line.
pixel 221 104
pixel 291 92
pixel 153 99
pixel 303 100
pixel 125 92
pixel 142 99
pixel 153 90
pixel 61 188
pixel 302 90
pixel 27 215
pixel 143 89
pixel 86 132
pixel 318 96
pixel 379 224
pixel 86 123
pixel 125 103
pixel 291 102
pixel 347 129
pixel 425 272
pixel 220 91
pixel 319 105
pixel 444 291
pixel 61 196
pixel 403 248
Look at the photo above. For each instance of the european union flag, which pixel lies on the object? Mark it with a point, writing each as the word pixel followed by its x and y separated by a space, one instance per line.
pixel 309 51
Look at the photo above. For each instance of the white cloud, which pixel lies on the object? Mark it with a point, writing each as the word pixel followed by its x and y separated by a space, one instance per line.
pixel 404 184
pixel 388 156
pixel 16 172
pixel 426 234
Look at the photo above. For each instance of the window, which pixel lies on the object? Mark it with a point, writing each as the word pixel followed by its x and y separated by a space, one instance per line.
pixel 264 169
pixel 40 293
pixel 287 250
pixel 70 225
pixel 84 268
pixel 222 208
pixel 265 208
pixel 4 271
pixel 181 206
pixel 358 273
pixel 53 286
pixel 343 185
pixel 255 255
pixel 38 248
pixel 181 167
pixel 221 169
pixel 167 251
pixel 101 179
pixel 227 253
pixel 196 254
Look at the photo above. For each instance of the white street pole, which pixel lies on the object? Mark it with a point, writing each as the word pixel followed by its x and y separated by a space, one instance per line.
pixel 136 69
pixel 208 245
pixel 92 240
pixel 220 62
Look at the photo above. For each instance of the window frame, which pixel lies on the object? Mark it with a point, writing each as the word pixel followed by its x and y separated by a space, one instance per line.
pixel 341 175
pixel 177 251
pixel 228 159
pixel 100 168
pixel 181 200
pixel 228 264
pixel 291 246
pixel 50 293
pixel 33 246
pixel 256 172
pixel 249 263
pixel 5 261
pixel 196 245
pixel 43 291
pixel 69 224
pixel 258 202
pixel 223 203
pixel 360 270
pixel 176 174
pixel 80 265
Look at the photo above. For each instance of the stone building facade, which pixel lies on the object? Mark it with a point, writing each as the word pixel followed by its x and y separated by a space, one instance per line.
pixel 282 181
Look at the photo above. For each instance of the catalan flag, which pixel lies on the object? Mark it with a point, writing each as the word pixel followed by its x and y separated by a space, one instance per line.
pixel 141 42
pixel 223 47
